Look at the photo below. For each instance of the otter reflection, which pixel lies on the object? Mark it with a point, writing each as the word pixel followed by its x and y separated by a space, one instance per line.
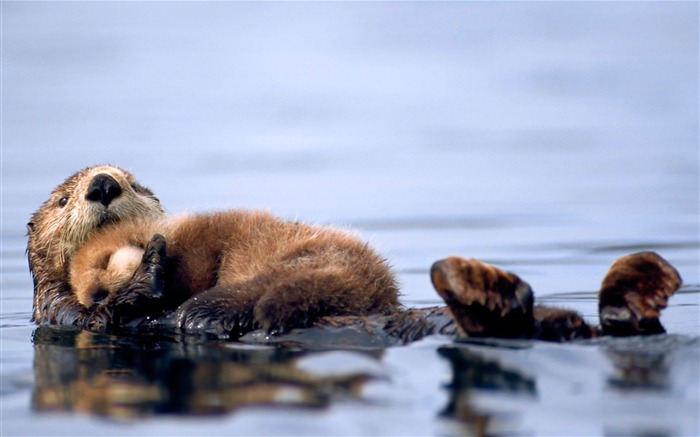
pixel 649 371
pixel 644 363
pixel 473 373
pixel 123 376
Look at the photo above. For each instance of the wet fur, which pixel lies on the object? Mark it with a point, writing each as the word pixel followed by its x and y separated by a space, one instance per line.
pixel 62 224
pixel 486 301
pixel 633 293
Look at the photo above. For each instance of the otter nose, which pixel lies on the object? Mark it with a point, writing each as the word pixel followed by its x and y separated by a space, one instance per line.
pixel 103 188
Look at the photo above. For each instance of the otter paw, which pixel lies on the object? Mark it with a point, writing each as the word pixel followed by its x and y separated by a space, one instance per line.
pixel 633 293
pixel 485 301
pixel 217 312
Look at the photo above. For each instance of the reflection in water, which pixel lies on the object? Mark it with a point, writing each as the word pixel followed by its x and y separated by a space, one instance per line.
pixel 472 373
pixel 635 370
pixel 650 388
pixel 644 362
pixel 647 366
pixel 124 377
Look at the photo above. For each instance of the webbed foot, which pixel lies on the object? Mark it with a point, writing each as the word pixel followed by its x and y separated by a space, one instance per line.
pixel 484 300
pixel 633 293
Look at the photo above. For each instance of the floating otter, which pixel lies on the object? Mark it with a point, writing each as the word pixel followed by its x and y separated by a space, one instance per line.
pixel 235 271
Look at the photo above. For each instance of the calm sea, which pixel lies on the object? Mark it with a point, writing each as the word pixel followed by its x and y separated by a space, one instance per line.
pixel 548 138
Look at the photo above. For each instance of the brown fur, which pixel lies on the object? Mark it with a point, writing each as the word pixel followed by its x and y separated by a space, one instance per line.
pixel 246 268
pixel 63 223
pixel 560 324
pixel 486 301
pixel 633 293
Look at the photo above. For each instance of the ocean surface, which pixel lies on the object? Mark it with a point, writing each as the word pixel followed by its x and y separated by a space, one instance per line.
pixel 548 138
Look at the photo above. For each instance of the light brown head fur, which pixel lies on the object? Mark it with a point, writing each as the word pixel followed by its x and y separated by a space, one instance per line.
pixel 109 271
pixel 65 221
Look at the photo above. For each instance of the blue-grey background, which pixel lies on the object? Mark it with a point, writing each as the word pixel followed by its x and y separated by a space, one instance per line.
pixel 546 137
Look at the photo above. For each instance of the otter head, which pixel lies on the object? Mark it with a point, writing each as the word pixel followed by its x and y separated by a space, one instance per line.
pixel 88 200
pixel 100 272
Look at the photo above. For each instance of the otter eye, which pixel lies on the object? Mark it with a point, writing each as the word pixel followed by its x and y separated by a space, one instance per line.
pixel 136 187
pixel 62 201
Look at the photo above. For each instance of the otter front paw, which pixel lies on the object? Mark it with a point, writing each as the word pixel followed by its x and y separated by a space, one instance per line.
pixel 484 300
pixel 148 281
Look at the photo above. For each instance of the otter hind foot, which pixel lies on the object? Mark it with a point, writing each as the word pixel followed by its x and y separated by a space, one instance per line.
pixel 634 291
pixel 485 301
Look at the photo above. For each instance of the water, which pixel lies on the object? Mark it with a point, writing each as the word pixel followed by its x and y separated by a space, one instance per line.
pixel 547 138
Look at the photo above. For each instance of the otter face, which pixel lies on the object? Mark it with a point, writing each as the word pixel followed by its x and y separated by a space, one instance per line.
pixel 99 274
pixel 86 201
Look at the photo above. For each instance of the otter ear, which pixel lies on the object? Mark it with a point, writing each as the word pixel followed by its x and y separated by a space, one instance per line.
pixel 30 227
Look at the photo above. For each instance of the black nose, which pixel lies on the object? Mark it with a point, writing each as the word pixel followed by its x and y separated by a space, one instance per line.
pixel 103 188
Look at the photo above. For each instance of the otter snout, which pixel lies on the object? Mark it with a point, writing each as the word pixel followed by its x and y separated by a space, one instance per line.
pixel 103 189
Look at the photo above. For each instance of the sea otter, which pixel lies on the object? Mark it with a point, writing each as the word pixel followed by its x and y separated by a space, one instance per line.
pixel 239 270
